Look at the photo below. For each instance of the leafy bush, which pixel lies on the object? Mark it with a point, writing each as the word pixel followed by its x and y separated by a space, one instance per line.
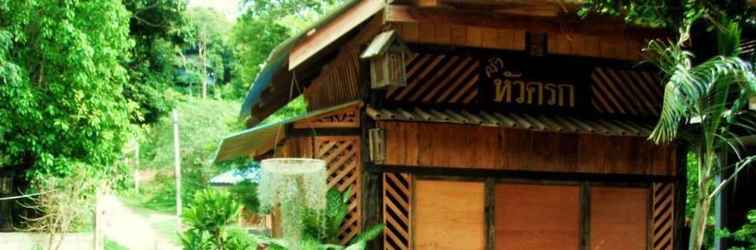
pixel 746 234
pixel 208 219
pixel 246 193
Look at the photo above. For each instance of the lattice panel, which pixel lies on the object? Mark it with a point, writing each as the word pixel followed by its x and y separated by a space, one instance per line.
pixel 437 78
pixel 397 208
pixel 663 221
pixel 342 156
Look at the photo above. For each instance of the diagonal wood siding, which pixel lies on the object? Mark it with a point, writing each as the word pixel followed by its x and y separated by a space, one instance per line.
pixel 397 211
pixel 663 221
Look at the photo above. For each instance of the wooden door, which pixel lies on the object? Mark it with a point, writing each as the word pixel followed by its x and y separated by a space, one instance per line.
pixel 534 217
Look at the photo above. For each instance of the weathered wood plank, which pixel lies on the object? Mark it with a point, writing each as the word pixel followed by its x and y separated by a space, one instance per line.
pixel 462 146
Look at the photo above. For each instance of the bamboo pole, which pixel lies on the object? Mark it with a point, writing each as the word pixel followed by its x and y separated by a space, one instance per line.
pixel 136 167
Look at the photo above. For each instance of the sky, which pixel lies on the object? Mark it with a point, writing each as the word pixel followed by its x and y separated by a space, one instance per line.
pixel 230 8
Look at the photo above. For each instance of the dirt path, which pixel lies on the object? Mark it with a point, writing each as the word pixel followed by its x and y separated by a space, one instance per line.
pixel 130 229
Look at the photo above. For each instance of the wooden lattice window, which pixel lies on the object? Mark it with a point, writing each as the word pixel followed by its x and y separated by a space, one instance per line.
pixel 342 156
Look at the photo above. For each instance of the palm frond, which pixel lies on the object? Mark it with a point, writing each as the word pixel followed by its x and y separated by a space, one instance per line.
pixel 700 91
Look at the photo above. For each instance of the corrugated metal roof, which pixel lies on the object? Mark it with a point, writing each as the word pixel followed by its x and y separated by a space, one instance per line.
pixel 261 139
pixel 536 122
pixel 235 176
pixel 278 60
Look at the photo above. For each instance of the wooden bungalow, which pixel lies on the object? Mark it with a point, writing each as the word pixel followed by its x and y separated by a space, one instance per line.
pixel 477 124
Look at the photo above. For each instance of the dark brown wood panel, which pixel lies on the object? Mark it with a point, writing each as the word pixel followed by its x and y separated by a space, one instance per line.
pixel 537 217
pixel 462 146
pixel 619 218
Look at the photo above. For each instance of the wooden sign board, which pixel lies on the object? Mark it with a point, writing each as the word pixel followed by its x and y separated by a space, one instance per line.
pixel 533 83
pixel 514 81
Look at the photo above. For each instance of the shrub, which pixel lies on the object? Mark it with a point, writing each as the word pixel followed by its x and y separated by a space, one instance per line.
pixel 209 218
pixel 746 234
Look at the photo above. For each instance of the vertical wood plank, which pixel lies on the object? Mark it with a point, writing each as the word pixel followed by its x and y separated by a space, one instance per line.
pixel 411 143
pixel 442 33
pixel 585 216
pixel 410 32
pixel 426 32
pixel 518 40
pixel 592 47
pixel 458 34
pixel 489 37
pixel 474 36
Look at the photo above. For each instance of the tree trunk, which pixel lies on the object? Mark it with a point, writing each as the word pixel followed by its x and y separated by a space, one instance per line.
pixel 698 227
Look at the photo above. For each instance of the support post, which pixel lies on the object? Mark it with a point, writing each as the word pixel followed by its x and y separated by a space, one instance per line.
pixel 177 164
pixel 136 167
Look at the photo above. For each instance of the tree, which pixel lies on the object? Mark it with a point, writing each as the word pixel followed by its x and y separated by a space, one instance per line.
pixel 211 30
pixel 705 102
pixel 159 29
pixel 265 25
pixel 61 83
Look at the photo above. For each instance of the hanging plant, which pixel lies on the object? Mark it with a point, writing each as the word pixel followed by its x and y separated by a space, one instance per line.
pixel 294 185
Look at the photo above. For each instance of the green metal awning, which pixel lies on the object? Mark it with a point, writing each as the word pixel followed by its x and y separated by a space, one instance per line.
pixel 263 138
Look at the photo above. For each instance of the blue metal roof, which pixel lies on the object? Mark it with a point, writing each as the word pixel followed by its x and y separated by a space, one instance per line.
pixel 235 176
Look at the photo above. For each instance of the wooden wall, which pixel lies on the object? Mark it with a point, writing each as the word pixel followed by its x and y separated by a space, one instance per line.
pixel 455 212
pixel 561 43
pixel 339 80
pixel 460 146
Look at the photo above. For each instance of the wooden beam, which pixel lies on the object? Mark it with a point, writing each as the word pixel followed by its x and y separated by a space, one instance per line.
pixel 317 39
pixel 585 216
pixel 477 173
pixel 568 24
pixel 490 213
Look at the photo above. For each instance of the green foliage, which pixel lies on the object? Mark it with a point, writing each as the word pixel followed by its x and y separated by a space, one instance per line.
pixel 246 193
pixel 253 39
pixel 159 28
pixel 265 25
pixel 208 219
pixel 670 13
pixel 112 245
pixel 210 54
pixel 324 226
pixel 61 83
pixel 295 108
pixel 715 93
pixel 746 235
pixel 201 125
